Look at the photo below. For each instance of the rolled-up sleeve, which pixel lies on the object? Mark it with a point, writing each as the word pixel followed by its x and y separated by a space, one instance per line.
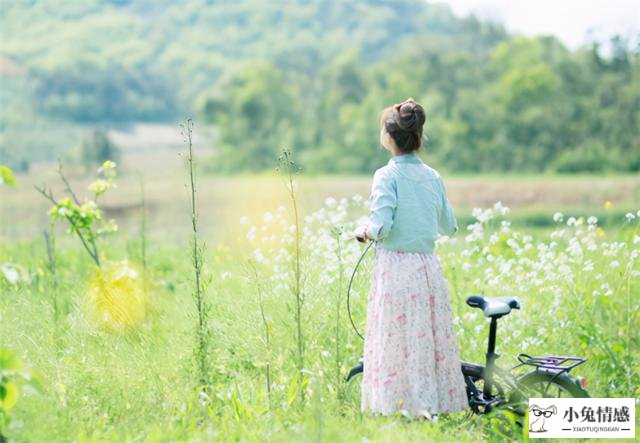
pixel 447 224
pixel 383 205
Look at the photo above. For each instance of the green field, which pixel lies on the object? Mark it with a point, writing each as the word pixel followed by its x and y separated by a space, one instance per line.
pixel 533 198
pixel 229 322
pixel 577 279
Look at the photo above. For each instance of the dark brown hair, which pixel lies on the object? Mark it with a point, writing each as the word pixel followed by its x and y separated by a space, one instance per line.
pixel 404 121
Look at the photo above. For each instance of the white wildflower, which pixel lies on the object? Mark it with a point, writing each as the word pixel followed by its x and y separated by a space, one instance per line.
pixel 10 273
pixel 330 202
pixel 500 208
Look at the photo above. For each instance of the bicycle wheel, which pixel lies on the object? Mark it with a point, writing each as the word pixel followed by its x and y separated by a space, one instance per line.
pixel 549 385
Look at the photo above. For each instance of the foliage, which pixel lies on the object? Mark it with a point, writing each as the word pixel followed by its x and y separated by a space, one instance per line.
pixel 85 219
pixel 576 284
pixel 13 376
pixel 256 115
pixel 97 149
pixel 316 75
pixel 6 176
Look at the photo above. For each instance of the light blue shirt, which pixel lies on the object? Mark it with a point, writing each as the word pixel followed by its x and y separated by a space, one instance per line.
pixel 409 206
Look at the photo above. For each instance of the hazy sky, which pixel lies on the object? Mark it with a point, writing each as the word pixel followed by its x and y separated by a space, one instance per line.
pixel 570 20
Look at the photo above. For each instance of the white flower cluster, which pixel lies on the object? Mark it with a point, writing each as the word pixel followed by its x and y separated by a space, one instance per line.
pixel 326 246
pixel 552 273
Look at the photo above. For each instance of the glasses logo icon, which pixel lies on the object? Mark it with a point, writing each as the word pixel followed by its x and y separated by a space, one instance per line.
pixel 537 424
pixel 538 413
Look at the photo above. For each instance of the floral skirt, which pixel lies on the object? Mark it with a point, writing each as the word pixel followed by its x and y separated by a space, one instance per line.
pixel 411 355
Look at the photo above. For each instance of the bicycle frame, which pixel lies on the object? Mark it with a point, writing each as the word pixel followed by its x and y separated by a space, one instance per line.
pixel 555 366
pixel 473 372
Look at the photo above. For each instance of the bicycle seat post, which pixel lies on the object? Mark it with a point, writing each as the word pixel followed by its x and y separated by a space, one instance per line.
pixel 493 308
pixel 491 357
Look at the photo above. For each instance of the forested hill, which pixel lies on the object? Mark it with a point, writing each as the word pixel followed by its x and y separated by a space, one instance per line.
pixel 313 75
pixel 154 52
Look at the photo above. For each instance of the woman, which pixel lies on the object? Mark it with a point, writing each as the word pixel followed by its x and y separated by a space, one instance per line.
pixel 411 356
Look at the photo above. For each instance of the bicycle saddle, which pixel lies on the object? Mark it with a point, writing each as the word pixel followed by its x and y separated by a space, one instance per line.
pixel 493 306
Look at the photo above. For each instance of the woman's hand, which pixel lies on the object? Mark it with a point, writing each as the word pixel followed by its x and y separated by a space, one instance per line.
pixel 361 234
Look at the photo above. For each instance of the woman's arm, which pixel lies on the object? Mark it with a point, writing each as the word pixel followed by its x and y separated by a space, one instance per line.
pixel 383 204
pixel 447 224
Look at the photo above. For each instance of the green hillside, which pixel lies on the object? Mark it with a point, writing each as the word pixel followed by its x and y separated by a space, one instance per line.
pixel 314 76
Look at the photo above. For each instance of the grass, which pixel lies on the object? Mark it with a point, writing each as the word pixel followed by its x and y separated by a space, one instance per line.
pixel 223 200
pixel 140 384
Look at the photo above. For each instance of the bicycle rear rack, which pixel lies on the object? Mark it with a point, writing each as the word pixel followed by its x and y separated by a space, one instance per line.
pixel 553 362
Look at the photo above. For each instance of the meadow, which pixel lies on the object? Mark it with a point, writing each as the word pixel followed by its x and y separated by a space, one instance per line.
pixel 264 356
pixel 170 306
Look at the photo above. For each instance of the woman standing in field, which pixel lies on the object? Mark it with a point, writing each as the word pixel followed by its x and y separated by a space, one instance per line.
pixel 411 355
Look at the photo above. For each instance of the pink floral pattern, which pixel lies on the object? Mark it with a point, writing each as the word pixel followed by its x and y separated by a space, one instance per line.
pixel 411 355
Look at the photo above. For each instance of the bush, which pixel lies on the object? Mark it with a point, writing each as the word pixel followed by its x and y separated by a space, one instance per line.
pixel 589 157
pixel 97 149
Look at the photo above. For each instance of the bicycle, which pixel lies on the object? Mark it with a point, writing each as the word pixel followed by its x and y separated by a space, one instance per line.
pixel 488 386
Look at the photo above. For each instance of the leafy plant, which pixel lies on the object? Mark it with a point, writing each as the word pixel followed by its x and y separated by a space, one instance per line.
pixel 6 176
pixel 85 219
pixel 13 376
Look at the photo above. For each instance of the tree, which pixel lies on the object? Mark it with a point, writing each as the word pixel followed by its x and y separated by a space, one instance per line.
pixel 97 149
pixel 256 116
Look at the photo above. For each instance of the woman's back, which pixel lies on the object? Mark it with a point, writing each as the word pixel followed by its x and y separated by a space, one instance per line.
pixel 409 206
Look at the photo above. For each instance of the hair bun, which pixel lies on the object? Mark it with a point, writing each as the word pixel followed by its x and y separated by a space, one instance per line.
pixel 411 115
pixel 404 121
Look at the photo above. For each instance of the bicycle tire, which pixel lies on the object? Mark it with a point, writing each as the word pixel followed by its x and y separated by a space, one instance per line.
pixel 544 382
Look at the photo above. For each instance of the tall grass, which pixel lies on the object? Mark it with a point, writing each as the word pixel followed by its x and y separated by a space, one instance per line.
pixel 255 279
pixel 338 233
pixel 289 168
pixel 143 228
pixel 50 244
pixel 197 254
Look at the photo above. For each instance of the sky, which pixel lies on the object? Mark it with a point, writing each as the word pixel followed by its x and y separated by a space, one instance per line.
pixel 575 22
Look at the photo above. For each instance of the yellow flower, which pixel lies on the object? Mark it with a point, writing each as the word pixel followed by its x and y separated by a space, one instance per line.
pixel 600 231
pixel 608 204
